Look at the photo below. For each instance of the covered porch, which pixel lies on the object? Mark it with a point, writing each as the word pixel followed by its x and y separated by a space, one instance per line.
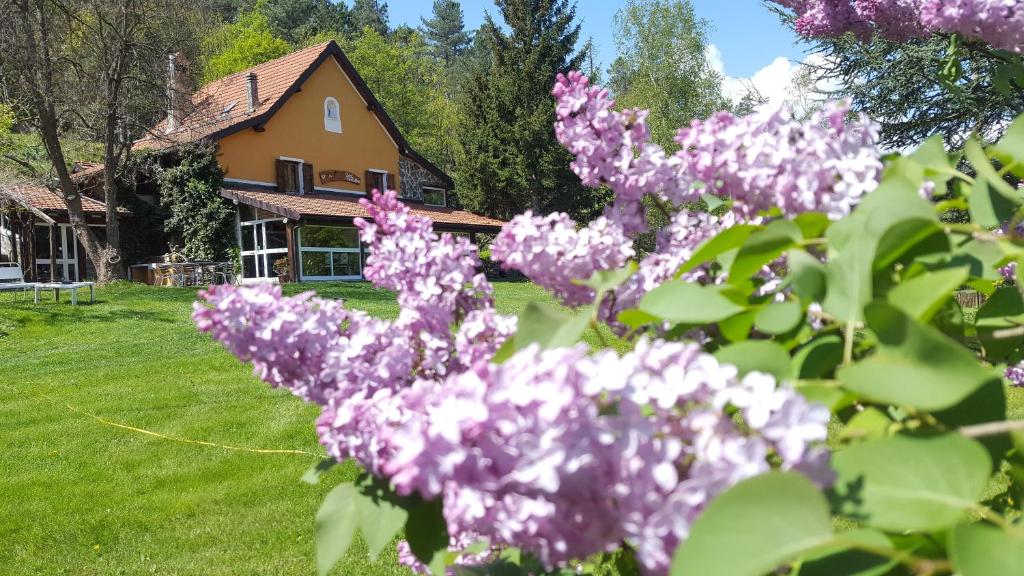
pixel 313 237
pixel 36 233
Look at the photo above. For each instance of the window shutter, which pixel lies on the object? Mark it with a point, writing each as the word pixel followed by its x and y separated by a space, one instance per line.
pixel 368 178
pixel 393 182
pixel 282 167
pixel 308 185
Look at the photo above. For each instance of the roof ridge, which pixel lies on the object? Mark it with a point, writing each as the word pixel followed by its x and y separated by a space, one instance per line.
pixel 241 73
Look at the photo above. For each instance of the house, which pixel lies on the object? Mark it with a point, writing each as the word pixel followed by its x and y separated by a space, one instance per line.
pixel 301 139
pixel 35 230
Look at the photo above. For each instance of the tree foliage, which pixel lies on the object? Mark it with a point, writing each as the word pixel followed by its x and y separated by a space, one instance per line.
pixel 512 161
pixel 445 32
pixel 372 13
pixel 242 44
pixel 920 87
pixel 661 65
pixel 296 21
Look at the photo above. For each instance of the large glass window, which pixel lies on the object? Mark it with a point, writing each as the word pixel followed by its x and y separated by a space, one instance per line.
pixel 330 253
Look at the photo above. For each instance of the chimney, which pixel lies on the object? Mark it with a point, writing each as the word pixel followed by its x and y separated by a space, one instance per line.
pixel 179 90
pixel 253 91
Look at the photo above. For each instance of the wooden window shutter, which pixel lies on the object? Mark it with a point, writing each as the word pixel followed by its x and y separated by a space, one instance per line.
pixel 308 185
pixel 282 167
pixel 393 182
pixel 368 178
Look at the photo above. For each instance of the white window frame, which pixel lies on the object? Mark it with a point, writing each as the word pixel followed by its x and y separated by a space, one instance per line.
pixel 444 196
pixel 65 232
pixel 302 180
pixel 330 260
pixel 257 253
pixel 385 173
pixel 332 125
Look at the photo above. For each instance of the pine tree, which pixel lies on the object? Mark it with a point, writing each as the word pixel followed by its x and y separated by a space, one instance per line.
pixel 512 160
pixel 372 13
pixel 445 31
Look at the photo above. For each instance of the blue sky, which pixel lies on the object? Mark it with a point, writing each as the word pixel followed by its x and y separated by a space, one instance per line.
pixel 747 36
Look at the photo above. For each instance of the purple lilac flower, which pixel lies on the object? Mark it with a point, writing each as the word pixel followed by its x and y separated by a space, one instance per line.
pixel 555 253
pixel 997 22
pixel 1015 374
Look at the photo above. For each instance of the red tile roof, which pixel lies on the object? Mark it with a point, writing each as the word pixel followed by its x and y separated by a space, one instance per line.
pixel 210 104
pixel 331 206
pixel 46 200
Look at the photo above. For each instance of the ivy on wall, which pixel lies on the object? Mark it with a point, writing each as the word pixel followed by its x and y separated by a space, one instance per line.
pixel 189 180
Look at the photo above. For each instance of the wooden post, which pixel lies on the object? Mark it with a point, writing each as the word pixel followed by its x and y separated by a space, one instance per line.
pixel 28 249
pixel 293 268
pixel 53 253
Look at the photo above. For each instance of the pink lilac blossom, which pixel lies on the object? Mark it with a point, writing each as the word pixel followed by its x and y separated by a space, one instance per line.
pixel 997 22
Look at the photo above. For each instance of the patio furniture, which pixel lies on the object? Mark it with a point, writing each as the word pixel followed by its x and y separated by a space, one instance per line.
pixel 12 279
pixel 71 286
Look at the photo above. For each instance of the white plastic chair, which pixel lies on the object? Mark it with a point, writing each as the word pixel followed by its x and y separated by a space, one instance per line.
pixel 12 279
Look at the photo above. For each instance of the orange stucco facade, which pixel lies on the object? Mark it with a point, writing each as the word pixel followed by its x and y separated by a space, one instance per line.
pixel 297 131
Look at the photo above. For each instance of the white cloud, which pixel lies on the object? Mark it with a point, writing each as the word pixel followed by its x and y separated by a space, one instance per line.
pixel 776 82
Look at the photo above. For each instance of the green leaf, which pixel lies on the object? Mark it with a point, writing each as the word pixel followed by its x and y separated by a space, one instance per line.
pixel 380 516
pixel 985 171
pixel 819 357
pixel 737 328
pixel 989 206
pixel 921 297
pixel 826 394
pixel 636 318
pixel 1010 149
pixel 915 365
pixel 983 550
pixel 932 155
pixel 550 327
pixel 807 276
pixel 312 476
pixel 841 561
pixel 779 318
pixel 906 483
pixel 1004 309
pixel 761 248
pixel 757 356
pixel 336 524
pixel 754 527
pixel 681 301
pixel 986 404
pixel 728 239
pixel 605 280
pixel 849 272
pixel 869 423
pixel 427 534
pixel 812 224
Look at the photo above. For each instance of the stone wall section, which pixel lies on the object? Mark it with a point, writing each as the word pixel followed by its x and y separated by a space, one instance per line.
pixel 413 177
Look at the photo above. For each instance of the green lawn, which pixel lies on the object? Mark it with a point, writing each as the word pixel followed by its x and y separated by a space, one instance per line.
pixel 80 497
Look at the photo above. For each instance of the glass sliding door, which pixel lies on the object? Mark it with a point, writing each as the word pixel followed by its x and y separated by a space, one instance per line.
pixel 263 242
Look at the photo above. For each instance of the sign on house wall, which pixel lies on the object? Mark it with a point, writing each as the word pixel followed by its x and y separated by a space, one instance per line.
pixel 327 176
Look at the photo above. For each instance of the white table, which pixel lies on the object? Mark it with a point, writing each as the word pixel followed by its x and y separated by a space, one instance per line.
pixel 72 286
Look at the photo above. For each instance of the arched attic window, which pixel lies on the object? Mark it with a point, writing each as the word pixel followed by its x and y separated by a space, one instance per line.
pixel 332 115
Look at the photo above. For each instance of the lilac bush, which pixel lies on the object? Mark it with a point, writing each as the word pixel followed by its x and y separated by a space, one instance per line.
pixel 996 22
pixel 799 283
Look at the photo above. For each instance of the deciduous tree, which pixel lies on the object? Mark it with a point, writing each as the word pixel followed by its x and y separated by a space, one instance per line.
pixel 94 69
pixel 661 65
